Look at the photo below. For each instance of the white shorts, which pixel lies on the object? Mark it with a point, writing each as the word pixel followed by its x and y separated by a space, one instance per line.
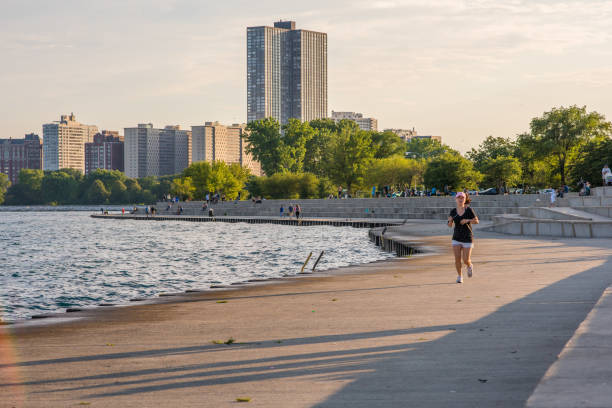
pixel 463 244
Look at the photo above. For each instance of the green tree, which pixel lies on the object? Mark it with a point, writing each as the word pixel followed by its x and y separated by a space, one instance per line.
pixel 395 171
pixel 349 157
pixel 593 155
pixel 317 149
pixel 28 189
pixel 295 136
pixel 60 187
pixel 97 193
pixel 223 181
pixel 4 185
pixel 502 171
pixel 118 192
pixel 183 188
pixel 387 144
pixel 264 143
pixel 426 148
pixel 560 131
pixel 492 148
pixel 134 191
pixel 451 170
pixel 200 173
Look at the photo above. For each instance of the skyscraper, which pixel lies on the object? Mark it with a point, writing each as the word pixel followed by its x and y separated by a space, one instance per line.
pixel 64 143
pixel 214 141
pixel 156 152
pixel 286 73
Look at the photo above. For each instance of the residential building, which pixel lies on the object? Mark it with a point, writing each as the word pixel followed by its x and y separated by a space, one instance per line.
pixel 105 152
pixel 64 143
pixel 17 154
pixel 214 141
pixel 363 123
pixel 286 73
pixel 156 152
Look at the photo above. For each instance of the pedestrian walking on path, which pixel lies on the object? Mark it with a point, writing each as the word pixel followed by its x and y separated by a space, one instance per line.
pixel 462 217
pixel 297 211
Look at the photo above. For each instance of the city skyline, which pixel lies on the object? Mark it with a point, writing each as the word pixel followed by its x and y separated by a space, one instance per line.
pixel 459 69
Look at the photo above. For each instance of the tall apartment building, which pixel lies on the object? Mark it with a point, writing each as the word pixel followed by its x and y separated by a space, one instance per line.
pixel 363 123
pixel 17 154
pixel 214 141
pixel 105 152
pixel 286 73
pixel 64 143
pixel 156 152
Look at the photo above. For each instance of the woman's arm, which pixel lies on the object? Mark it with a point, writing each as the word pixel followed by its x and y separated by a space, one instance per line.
pixel 450 221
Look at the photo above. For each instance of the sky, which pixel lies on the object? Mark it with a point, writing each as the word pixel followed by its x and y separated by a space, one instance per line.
pixel 460 69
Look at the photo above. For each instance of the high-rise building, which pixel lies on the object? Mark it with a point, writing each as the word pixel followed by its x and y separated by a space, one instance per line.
pixel 156 152
pixel 105 152
pixel 17 154
pixel 286 73
pixel 214 141
pixel 363 123
pixel 64 143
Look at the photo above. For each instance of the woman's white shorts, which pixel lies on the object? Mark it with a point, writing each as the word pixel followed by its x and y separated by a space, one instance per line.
pixel 463 244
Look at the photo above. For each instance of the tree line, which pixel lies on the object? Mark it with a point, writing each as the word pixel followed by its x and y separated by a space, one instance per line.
pixel 311 159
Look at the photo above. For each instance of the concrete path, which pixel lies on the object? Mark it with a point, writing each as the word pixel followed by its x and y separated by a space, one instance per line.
pixel 582 376
pixel 393 334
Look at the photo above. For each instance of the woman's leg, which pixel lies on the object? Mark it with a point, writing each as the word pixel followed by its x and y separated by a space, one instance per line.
pixel 457 253
pixel 467 254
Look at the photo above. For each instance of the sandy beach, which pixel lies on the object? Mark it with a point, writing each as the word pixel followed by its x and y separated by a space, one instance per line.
pixel 389 334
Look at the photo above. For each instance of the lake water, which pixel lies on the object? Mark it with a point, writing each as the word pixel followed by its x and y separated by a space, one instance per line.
pixel 50 261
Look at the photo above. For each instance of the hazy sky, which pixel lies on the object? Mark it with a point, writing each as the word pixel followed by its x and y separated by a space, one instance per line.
pixel 456 68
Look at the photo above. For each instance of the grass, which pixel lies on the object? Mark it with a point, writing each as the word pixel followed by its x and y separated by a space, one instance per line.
pixel 243 399
pixel 221 301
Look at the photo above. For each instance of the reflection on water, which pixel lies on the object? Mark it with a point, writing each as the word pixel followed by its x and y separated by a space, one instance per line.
pixel 51 261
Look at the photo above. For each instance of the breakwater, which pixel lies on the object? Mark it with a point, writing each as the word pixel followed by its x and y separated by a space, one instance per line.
pixel 304 222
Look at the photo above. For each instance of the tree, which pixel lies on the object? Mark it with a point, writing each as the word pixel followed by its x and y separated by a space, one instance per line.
pixel 558 132
pixel 264 143
pixel 502 171
pixel 387 144
pixel 350 155
pixel 222 180
pixel 4 185
pixel 118 192
pixel 295 136
pixel 97 193
pixel 451 170
pixel 593 155
pixel 492 148
pixel 183 188
pixel 28 189
pixel 200 173
pixel 134 191
pixel 427 148
pixel 395 171
pixel 60 187
pixel 317 148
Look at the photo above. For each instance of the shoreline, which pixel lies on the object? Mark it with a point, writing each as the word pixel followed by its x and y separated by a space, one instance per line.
pixel 76 313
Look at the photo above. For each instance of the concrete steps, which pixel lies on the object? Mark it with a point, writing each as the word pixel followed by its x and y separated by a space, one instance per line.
pixel 585 217
pixel 399 208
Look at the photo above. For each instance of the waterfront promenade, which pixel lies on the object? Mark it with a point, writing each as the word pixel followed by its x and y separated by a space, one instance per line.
pixel 390 334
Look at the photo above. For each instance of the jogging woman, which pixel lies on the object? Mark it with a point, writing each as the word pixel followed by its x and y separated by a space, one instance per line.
pixel 462 217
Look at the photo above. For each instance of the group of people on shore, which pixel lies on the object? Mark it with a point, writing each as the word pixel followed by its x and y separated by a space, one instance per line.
pixel 291 211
